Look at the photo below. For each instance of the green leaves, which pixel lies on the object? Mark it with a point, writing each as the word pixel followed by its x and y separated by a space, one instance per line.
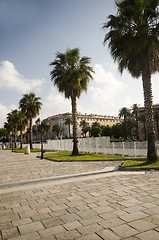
pixel 71 73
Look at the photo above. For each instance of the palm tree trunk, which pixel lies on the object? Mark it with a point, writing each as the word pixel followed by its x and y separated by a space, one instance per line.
pixel 21 139
pixel 31 134
pixel 15 140
pixel 74 118
pixel 146 79
pixel 42 146
pixel 12 142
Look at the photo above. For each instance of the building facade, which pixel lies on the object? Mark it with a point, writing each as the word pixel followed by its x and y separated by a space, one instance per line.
pixel 142 123
pixel 67 130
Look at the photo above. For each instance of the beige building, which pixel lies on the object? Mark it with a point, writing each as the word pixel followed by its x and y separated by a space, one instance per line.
pixel 142 124
pixel 60 119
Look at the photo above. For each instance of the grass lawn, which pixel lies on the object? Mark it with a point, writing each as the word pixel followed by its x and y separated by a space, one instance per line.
pixel 66 156
pixel 138 164
pixel 21 150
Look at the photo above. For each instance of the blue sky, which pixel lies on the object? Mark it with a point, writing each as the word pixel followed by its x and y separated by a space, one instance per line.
pixel 32 31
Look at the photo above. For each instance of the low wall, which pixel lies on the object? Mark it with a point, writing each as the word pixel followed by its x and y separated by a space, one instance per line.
pixel 99 145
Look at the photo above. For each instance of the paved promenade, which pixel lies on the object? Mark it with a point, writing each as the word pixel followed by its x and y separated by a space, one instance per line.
pixel 41 199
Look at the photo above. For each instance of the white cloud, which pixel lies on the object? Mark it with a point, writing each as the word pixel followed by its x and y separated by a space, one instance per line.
pixel 4 111
pixel 103 93
pixel 55 103
pixel 11 78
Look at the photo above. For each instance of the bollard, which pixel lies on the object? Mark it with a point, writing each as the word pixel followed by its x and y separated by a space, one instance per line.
pixel 27 149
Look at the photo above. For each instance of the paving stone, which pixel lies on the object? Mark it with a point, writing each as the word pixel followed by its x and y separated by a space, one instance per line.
pixel 30 227
pixel 30 213
pixel 21 221
pixel 51 231
pixel 142 225
pixel 90 237
pixel 52 222
pixel 131 238
pixel 92 228
pixel 111 222
pixel 58 207
pixel 152 211
pixel 40 217
pixel 108 235
pixel 22 208
pixel 70 218
pixel 109 215
pixel 58 213
pixel 8 218
pixel 93 219
pixel 10 233
pixel 86 213
pixel 29 236
pixel 133 216
pixel 43 210
pixel 103 209
pixel 124 230
pixel 152 234
pixel 6 225
pixel 72 210
pixel 69 235
pixel 75 203
pixel 133 209
pixel 72 225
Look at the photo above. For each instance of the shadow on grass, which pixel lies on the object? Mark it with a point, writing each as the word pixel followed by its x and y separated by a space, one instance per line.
pixel 143 164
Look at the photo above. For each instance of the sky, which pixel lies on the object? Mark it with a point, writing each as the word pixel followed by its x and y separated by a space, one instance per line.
pixel 32 31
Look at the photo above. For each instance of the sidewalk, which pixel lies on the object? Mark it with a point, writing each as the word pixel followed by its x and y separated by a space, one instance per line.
pixel 112 205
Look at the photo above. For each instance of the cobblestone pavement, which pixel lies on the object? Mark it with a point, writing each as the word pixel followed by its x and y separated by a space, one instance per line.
pixel 110 206
pixel 15 167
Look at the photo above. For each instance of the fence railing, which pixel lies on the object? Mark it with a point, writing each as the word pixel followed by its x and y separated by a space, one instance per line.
pixel 99 145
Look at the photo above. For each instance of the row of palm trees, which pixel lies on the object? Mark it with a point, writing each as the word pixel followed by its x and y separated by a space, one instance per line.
pixel 18 119
pixel 131 118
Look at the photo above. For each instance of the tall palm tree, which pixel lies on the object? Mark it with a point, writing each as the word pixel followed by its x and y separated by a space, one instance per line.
pixel 22 124
pixel 12 125
pixel 134 44
pixel 8 127
pixel 57 128
pixel 30 105
pixel 85 127
pixel 43 128
pixel 125 113
pixel 68 122
pixel 71 75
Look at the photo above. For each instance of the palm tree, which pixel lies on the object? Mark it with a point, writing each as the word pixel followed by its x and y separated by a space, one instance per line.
pixel 12 125
pixel 85 127
pixel 135 109
pixel 30 106
pixel 8 127
pixel 125 113
pixel 43 128
pixel 57 128
pixel 71 75
pixel 22 124
pixel 68 122
pixel 134 44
